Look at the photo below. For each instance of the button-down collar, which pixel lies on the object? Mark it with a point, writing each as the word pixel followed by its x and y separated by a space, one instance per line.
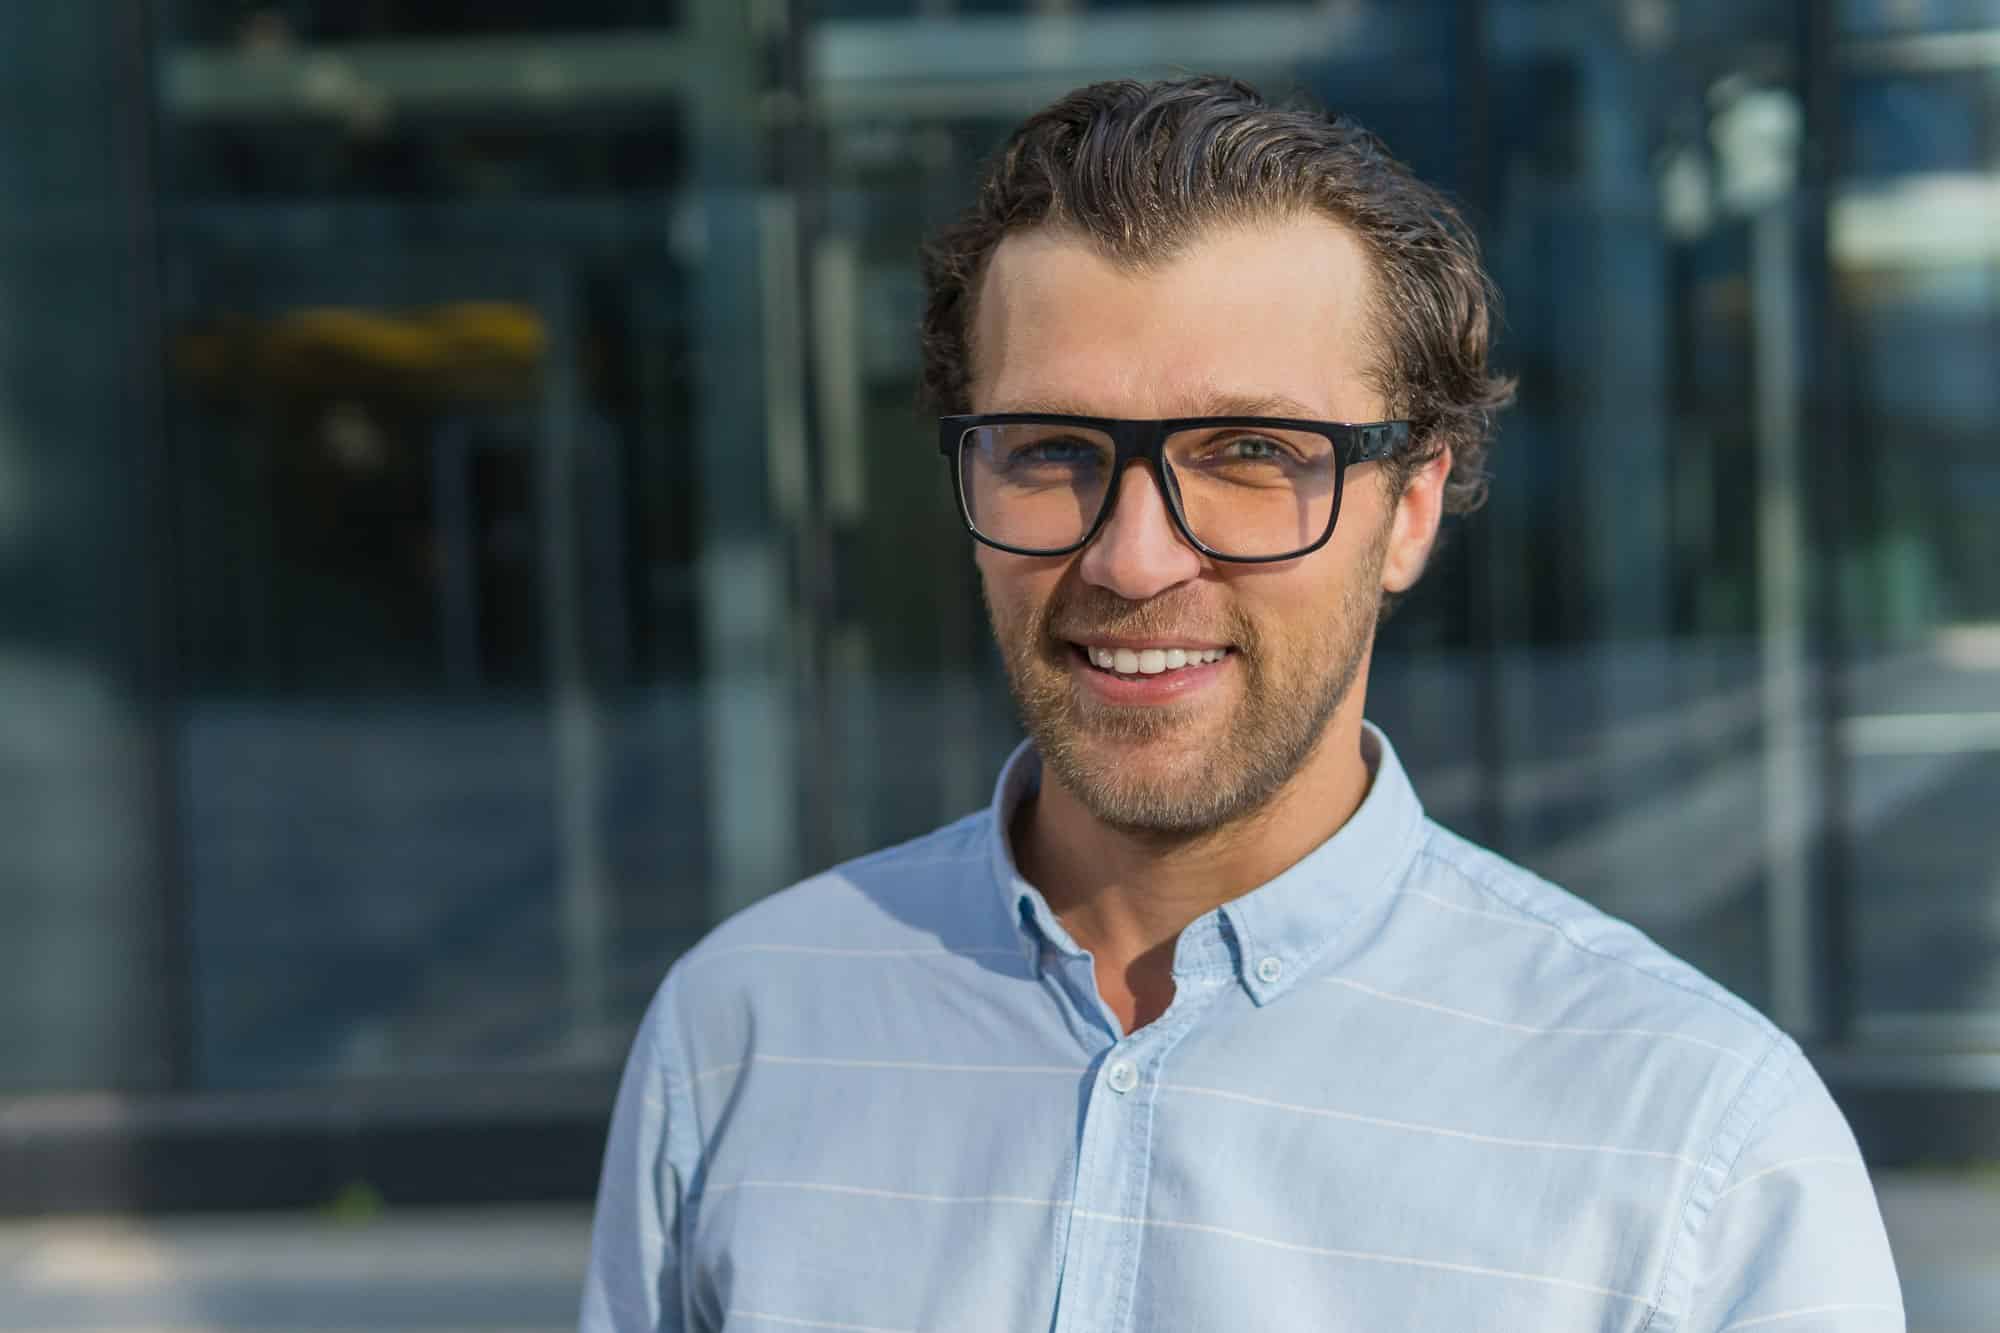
pixel 1280 929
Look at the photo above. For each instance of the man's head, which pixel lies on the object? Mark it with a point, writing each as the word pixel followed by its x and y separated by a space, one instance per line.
pixel 1180 250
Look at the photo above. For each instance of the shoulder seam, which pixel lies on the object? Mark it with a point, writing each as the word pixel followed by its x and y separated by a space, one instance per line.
pixel 681 1115
pixel 1749 1017
pixel 667 1040
pixel 1690 1228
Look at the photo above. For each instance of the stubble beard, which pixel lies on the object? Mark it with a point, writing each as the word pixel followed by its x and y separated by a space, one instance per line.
pixel 1270 732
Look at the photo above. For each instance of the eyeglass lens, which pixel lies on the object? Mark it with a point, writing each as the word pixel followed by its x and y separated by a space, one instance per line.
pixel 1244 491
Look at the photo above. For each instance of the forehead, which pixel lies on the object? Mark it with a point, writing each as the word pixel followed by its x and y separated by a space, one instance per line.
pixel 1273 313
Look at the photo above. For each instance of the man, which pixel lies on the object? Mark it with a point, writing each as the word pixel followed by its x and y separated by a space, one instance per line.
pixel 1201 1025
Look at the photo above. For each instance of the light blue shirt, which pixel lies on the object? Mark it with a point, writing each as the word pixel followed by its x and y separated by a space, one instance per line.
pixel 1404 1085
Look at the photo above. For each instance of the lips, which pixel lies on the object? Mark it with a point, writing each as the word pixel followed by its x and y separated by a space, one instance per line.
pixel 1139 688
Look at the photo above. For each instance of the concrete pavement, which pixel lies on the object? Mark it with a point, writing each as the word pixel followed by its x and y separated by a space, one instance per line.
pixel 1945 1228
pixel 513 1270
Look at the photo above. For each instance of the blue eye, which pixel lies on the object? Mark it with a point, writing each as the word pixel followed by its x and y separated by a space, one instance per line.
pixel 1245 450
pixel 1252 448
pixel 1061 450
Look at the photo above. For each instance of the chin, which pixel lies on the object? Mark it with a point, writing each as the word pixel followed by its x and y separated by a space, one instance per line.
pixel 1176 810
pixel 1165 783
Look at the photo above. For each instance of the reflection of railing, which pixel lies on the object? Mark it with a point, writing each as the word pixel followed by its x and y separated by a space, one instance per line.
pixel 858 66
pixel 916 66
pixel 1942 220
pixel 1925 52
pixel 365 79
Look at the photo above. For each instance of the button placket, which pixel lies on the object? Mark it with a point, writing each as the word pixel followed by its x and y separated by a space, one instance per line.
pixel 1111 1170
pixel 1106 1235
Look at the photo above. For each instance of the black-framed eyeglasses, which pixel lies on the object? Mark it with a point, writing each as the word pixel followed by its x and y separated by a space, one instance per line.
pixel 1247 489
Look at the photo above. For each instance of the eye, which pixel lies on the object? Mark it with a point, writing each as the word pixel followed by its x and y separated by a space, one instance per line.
pixel 1066 450
pixel 1251 449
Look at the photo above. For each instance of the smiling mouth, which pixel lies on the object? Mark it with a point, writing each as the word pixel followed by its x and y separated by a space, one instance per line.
pixel 1137 663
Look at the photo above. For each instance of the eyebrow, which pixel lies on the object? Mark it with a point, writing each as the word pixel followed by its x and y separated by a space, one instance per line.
pixel 1206 405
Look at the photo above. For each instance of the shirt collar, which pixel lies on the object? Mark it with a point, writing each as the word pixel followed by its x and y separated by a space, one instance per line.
pixel 1280 928
pixel 1027 910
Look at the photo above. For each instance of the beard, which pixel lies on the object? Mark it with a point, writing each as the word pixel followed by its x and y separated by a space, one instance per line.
pixel 1177 772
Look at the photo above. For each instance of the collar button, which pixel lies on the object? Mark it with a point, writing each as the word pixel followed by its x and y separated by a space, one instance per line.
pixel 1269 969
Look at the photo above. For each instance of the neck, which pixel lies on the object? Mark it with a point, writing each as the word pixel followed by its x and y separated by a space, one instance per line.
pixel 1127 896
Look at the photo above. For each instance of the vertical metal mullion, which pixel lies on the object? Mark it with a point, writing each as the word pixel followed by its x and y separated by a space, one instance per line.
pixel 799 175
pixel 1830 400
pixel 1791 807
pixel 157 681
pixel 1470 103
pixel 576 724
pixel 747 659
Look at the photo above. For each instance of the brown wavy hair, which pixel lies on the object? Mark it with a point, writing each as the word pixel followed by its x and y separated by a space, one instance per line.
pixel 1143 170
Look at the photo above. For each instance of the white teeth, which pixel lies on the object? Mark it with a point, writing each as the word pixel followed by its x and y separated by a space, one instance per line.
pixel 1151 661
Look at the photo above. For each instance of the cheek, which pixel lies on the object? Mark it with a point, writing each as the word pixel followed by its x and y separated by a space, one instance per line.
pixel 1015 590
pixel 1362 537
pixel 1300 612
pixel 1364 511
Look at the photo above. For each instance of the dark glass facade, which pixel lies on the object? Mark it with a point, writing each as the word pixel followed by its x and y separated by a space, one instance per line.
pixel 465 527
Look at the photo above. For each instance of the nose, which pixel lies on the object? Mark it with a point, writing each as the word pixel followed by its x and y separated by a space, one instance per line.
pixel 1139 553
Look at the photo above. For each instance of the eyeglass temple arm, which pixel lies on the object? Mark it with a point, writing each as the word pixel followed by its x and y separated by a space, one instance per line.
pixel 1376 441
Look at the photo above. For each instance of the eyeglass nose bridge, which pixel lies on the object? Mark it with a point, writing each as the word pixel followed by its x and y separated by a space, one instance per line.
pixel 1146 442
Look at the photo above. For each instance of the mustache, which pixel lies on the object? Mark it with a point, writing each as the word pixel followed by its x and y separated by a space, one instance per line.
pixel 1092 610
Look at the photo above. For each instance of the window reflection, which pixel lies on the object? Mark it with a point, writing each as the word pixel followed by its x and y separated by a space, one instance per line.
pixel 555 565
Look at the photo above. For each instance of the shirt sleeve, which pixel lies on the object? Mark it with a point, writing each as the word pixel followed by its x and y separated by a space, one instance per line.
pixel 633 1284
pixel 1792 1241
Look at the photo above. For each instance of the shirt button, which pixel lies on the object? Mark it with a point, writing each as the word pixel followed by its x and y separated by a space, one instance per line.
pixel 1269 970
pixel 1122 1076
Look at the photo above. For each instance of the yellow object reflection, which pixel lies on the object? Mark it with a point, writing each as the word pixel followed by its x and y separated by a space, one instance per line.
pixel 471 349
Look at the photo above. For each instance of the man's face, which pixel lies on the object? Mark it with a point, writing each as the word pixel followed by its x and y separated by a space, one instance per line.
pixel 1265 320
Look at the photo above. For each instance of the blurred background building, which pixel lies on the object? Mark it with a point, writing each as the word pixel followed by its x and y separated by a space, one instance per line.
pixel 465 529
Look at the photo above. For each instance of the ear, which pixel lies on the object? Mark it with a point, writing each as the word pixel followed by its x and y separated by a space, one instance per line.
pixel 1413 528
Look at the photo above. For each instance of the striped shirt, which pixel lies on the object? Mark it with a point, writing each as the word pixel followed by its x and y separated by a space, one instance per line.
pixel 1403 1085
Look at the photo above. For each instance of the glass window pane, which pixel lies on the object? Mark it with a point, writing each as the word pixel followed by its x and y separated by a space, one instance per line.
pixel 484 592
pixel 557 563
pixel 1921 590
